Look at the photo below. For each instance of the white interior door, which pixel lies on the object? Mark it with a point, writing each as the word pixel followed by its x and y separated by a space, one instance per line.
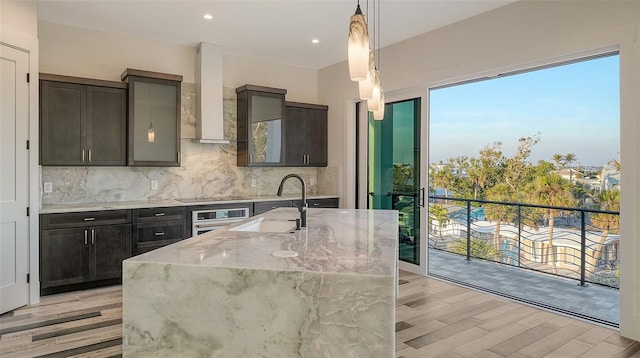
pixel 14 178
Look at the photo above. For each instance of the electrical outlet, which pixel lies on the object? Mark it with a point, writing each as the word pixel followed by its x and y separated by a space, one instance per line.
pixel 254 183
pixel 312 181
pixel 48 187
pixel 154 185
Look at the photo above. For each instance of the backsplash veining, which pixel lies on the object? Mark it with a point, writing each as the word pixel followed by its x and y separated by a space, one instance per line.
pixel 207 170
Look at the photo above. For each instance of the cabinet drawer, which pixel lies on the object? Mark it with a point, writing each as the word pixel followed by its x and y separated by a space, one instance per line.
pixel 264 206
pixel 150 246
pixel 155 232
pixel 83 219
pixel 159 214
pixel 324 203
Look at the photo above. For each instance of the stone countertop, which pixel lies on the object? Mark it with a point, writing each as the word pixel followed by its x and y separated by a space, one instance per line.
pixel 361 242
pixel 123 205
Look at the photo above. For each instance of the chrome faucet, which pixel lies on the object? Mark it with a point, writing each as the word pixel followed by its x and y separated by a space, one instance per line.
pixel 303 206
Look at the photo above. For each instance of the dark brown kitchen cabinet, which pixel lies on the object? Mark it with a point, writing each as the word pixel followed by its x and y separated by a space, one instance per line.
pixel 260 123
pixel 157 227
pixel 260 207
pixel 305 135
pixel 83 249
pixel 154 118
pixel 82 121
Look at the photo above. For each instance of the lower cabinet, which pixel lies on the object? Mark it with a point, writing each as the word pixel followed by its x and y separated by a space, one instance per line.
pixel 260 207
pixel 82 249
pixel 157 227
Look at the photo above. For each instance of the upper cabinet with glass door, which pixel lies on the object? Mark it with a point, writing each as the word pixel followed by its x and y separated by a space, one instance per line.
pixel 154 118
pixel 260 126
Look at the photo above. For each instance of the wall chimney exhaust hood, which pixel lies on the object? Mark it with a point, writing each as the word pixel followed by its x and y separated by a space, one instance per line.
pixel 209 97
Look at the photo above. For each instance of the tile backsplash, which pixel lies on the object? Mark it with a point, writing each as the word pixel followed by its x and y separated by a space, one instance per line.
pixel 207 170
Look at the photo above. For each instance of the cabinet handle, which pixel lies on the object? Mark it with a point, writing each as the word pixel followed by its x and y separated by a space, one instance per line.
pixel 89 219
pixel 83 155
pixel 93 236
pixel 89 151
pixel 316 204
pixel 85 236
pixel 159 233
pixel 159 214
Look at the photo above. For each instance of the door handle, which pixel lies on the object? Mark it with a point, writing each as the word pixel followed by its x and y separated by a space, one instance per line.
pixel 371 193
pixel 93 236
pixel 85 236
pixel 422 197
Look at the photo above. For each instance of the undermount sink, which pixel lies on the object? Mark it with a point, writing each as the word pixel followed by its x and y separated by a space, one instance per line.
pixel 267 225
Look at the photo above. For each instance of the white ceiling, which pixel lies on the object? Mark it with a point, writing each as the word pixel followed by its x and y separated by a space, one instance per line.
pixel 272 30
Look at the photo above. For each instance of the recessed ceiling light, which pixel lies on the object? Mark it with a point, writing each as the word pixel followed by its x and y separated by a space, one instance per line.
pixel 208 16
pixel 315 41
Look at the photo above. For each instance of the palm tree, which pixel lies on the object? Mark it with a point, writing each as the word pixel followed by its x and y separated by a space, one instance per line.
pixel 443 177
pixel 439 213
pixel 500 213
pixel 615 163
pixel 570 158
pixel 609 200
pixel 552 190
pixel 559 160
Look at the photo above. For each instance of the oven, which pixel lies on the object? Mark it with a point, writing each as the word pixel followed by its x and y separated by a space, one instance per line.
pixel 211 219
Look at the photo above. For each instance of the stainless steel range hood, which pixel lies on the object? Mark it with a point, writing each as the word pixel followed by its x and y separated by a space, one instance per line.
pixel 209 98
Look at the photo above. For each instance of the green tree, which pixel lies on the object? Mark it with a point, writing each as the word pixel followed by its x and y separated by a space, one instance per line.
pixel 440 214
pixel 479 248
pixel 552 190
pixel 443 176
pixel 497 212
pixel 517 171
pixel 570 158
pixel 608 200
pixel 559 160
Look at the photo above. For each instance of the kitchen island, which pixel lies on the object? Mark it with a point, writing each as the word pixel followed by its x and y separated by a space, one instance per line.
pixel 327 290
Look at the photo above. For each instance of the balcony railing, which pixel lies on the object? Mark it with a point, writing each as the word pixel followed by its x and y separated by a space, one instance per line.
pixel 576 243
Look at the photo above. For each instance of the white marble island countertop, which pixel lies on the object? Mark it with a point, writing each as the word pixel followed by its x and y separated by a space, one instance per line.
pixel 335 240
pixel 225 293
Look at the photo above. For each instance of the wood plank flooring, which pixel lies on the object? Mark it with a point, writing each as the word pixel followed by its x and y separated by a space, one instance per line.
pixel 433 319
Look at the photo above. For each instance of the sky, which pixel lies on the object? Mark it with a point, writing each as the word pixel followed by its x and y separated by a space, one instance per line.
pixel 575 109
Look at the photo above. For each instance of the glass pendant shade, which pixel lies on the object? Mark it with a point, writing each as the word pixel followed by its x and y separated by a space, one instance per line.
pixel 373 103
pixel 378 114
pixel 151 134
pixel 366 86
pixel 358 46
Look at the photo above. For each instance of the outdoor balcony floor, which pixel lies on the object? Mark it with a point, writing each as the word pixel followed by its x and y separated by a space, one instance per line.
pixel 593 302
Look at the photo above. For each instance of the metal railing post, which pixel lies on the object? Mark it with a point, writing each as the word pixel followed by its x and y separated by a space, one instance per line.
pixel 583 248
pixel 519 233
pixel 468 230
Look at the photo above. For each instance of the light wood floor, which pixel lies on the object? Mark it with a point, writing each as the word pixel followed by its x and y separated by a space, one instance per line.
pixel 433 319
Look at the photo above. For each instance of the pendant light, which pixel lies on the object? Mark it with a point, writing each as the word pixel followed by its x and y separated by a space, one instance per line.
pixel 365 87
pixel 358 50
pixel 378 114
pixel 151 134
pixel 373 103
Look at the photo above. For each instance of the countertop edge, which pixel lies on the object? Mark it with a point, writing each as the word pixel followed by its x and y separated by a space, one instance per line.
pixel 125 205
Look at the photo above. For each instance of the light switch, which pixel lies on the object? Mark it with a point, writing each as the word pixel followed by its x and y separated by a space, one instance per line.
pixel 48 187
pixel 154 185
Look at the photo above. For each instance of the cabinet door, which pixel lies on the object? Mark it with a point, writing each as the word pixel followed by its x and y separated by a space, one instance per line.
pixel 295 134
pixel 315 135
pixel 154 122
pixel 63 257
pixel 106 126
pixel 266 112
pixel 111 245
pixel 62 123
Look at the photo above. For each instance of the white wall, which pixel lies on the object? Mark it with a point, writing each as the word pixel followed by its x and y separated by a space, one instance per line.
pixel 80 52
pixel 20 16
pixel 515 36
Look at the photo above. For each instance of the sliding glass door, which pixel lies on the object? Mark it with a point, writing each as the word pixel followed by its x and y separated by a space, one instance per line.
pixel 394 179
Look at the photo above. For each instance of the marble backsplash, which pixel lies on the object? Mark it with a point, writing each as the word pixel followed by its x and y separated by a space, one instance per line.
pixel 207 170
